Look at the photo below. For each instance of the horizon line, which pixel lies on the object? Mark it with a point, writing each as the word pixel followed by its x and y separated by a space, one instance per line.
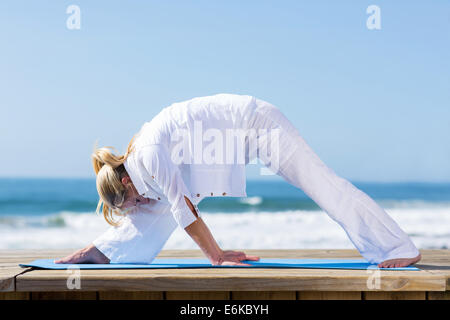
pixel 276 178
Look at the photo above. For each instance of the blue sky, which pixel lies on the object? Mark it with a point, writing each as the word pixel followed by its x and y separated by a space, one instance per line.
pixel 373 104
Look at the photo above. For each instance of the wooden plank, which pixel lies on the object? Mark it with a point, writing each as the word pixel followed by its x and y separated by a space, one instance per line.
pixel 66 295
pixel 433 295
pixel 263 295
pixel 10 259
pixel 7 278
pixel 197 295
pixel 130 295
pixel 436 262
pixel 377 295
pixel 14 257
pixel 443 273
pixel 14 296
pixel 230 279
pixel 328 295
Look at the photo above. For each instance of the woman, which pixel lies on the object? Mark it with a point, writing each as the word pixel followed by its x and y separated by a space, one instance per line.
pixel 188 152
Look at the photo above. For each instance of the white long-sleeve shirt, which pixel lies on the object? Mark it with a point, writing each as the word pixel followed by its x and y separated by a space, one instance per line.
pixel 160 171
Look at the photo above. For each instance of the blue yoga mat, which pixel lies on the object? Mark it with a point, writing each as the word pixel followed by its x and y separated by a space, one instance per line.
pixel 172 263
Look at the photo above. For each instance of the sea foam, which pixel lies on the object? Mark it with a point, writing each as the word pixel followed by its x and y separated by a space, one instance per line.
pixel 295 229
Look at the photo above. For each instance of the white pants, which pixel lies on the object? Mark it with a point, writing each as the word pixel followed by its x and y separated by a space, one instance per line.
pixel 372 231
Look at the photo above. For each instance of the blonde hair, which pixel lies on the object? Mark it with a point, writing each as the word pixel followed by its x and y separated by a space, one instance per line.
pixel 109 169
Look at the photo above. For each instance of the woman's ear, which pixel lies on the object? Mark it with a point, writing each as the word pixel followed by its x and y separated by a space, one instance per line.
pixel 125 180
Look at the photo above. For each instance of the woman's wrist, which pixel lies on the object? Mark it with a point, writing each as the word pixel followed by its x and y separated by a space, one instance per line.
pixel 200 233
pixel 217 258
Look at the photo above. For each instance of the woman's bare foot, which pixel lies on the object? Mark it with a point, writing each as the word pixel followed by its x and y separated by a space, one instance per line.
pixel 90 254
pixel 399 263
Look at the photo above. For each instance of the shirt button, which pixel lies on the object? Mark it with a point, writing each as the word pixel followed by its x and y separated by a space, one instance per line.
pixel 159 198
pixel 198 194
pixel 224 194
pixel 153 177
pixel 211 193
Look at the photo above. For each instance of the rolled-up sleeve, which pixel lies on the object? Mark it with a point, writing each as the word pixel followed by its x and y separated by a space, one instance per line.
pixel 159 166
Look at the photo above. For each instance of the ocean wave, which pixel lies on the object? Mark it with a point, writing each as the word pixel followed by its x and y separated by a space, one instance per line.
pixel 59 220
pixel 292 229
pixel 252 201
pixel 412 204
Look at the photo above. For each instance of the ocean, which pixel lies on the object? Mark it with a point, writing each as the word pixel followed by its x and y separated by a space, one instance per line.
pixel 59 213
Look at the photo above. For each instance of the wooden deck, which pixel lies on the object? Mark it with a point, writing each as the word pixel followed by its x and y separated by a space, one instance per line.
pixel 432 282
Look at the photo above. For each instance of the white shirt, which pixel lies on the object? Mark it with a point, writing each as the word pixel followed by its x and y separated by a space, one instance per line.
pixel 159 171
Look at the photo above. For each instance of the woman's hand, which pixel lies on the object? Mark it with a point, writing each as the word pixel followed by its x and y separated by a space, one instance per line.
pixel 234 258
pixel 90 254
pixel 200 233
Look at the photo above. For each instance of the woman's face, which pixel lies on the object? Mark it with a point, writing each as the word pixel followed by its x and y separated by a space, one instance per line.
pixel 133 198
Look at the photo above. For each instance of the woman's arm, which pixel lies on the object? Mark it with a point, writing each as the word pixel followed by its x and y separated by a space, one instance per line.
pixel 200 233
